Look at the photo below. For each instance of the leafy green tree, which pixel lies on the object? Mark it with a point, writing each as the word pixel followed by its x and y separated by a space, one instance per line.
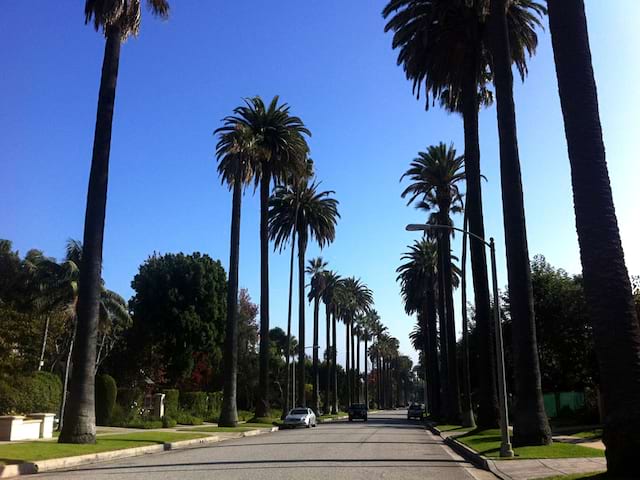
pixel 607 288
pixel 179 311
pixel 118 19
pixel 247 350
pixel 235 151
pixel 435 176
pixel 281 151
pixel 313 215
pixel 530 425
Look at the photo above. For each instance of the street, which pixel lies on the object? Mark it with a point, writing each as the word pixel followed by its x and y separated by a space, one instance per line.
pixel 387 446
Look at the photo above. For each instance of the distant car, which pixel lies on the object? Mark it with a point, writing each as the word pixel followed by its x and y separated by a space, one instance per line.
pixel 300 417
pixel 358 410
pixel 416 410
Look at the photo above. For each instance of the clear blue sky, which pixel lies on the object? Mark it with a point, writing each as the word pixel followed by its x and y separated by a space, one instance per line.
pixel 332 62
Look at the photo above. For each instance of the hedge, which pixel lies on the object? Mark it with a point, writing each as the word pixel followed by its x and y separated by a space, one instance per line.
pixel 106 394
pixel 194 403
pixel 130 398
pixel 40 392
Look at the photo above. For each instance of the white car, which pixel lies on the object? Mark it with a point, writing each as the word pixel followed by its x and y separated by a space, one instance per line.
pixel 300 417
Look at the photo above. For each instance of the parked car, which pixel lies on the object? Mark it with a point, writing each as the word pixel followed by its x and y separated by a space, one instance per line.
pixel 416 410
pixel 300 417
pixel 358 410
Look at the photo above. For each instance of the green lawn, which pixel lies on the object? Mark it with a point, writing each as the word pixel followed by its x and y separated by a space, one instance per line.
pixel 451 428
pixel 34 451
pixel 242 427
pixel 487 442
pixel 581 476
pixel 589 434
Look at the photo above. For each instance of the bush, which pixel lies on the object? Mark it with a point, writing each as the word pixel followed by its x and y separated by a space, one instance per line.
pixel 130 398
pixel 215 403
pixel 106 393
pixel 140 422
pixel 195 403
pixel 185 418
pixel 40 392
pixel 171 403
pixel 168 422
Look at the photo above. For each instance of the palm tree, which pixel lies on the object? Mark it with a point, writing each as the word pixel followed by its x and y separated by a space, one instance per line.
pixel 369 326
pixel 531 426
pixel 435 175
pixel 357 334
pixel 417 278
pixel 281 151
pixel 118 19
pixel 606 280
pixel 316 270
pixel 234 153
pixel 313 215
pixel 442 47
pixel 332 282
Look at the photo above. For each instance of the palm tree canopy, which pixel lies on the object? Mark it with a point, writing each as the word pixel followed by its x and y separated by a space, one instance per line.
pixel 353 297
pixel 331 282
pixel 235 151
pixel 440 41
pixel 417 272
pixel 301 206
pixel 316 269
pixel 435 175
pixel 125 14
pixel 278 138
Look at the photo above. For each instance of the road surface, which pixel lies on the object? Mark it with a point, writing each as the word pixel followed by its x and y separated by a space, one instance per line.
pixel 386 447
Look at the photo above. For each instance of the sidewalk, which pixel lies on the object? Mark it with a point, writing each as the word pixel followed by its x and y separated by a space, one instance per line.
pixel 526 469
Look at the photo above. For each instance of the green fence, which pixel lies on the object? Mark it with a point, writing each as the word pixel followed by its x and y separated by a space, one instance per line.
pixel 560 402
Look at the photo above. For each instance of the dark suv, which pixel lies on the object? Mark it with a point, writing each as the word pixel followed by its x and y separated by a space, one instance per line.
pixel 358 410
pixel 416 410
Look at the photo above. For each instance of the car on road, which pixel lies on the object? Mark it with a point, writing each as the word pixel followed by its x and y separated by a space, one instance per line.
pixel 300 417
pixel 358 410
pixel 416 410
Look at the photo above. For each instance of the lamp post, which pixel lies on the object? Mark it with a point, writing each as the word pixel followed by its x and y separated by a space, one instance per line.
pixel 505 447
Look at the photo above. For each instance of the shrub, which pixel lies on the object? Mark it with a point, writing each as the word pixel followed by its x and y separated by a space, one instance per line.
pixel 215 402
pixel 185 418
pixel 168 422
pixel 171 403
pixel 106 393
pixel 140 422
pixel 40 392
pixel 130 398
pixel 195 403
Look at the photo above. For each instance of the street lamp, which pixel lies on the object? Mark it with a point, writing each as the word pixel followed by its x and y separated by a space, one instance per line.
pixel 505 447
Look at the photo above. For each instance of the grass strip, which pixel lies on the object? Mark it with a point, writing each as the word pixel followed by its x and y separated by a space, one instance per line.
pixel 487 443
pixel 581 476
pixel 35 451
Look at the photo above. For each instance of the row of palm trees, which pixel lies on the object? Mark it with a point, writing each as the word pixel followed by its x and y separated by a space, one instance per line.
pixel 454 52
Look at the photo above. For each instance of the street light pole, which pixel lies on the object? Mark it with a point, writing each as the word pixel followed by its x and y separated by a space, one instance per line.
pixel 505 446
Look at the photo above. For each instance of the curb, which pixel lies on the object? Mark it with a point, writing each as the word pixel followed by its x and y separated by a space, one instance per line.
pixel 469 454
pixel 329 420
pixel 26 468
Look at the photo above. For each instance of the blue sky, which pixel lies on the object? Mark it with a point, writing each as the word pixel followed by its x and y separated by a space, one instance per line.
pixel 333 64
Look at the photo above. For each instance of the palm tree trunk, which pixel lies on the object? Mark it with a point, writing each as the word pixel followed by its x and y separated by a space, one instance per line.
pixel 379 378
pixel 366 372
pixel 606 279
pixel 229 408
pixel 45 334
pixel 358 377
pixel 488 411
pixel 455 412
pixel 347 369
pixel 467 408
pixel 327 404
pixel 334 363
pixel 442 321
pixel 262 405
pixel 288 390
pixel 354 379
pixel 531 426
pixel 431 323
pixel 316 377
pixel 80 424
pixel 302 246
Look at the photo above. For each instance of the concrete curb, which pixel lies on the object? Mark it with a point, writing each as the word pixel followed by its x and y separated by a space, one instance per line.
pixel 8 471
pixel 469 454
pixel 329 420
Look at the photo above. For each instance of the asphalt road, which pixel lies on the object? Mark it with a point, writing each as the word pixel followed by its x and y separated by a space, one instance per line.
pixel 387 446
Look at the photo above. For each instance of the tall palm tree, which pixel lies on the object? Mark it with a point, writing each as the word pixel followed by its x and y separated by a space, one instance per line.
pixel 606 280
pixel 443 48
pixel 316 269
pixel 530 426
pixel 234 152
pixel 313 215
pixel 281 152
pixel 435 175
pixel 357 333
pixel 118 19
pixel 417 280
pixel 331 282
pixel 369 326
